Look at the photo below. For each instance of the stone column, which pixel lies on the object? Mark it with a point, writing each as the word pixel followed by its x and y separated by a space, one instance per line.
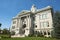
pixel 19 22
pixel 29 21
pixel 27 31
pixel 30 26
pixel 47 33
pixel 16 32
pixel 20 26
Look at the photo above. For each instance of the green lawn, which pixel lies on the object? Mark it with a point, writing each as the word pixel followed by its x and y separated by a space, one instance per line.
pixel 29 38
pixel 6 37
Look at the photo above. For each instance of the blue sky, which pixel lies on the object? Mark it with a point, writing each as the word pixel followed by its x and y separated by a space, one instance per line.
pixel 10 8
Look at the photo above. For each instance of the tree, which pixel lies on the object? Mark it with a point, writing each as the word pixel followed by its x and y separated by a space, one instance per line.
pixel 0 27
pixel 6 31
pixel 0 24
pixel 12 33
pixel 56 20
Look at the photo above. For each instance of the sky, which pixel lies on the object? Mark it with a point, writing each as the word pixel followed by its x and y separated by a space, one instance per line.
pixel 10 8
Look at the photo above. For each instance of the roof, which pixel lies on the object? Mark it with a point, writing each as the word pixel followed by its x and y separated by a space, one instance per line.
pixel 48 7
pixel 37 10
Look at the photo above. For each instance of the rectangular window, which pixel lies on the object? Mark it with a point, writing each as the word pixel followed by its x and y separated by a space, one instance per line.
pixel 40 16
pixel 47 23
pixel 13 27
pixel 48 33
pixel 14 22
pixel 43 16
pixel 44 24
pixel 44 33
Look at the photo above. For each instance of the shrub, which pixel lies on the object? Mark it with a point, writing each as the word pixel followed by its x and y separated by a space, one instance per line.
pixel 5 36
pixel 12 33
pixel 30 35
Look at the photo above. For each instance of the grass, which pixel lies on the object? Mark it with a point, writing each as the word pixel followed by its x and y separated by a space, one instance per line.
pixel 6 37
pixel 29 38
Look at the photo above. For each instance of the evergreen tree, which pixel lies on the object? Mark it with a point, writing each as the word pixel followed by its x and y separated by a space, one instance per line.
pixel 0 27
pixel 57 24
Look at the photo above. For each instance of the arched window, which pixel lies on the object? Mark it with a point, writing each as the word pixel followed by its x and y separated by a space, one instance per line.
pixel 13 27
pixel 48 33
pixel 23 32
pixel 35 32
pixel 36 26
pixel 44 33
pixel 24 25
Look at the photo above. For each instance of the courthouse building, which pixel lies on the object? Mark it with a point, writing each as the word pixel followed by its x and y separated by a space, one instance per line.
pixel 33 21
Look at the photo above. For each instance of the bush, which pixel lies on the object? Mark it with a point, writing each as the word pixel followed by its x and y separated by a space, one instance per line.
pixel 12 33
pixel 35 35
pixel 5 36
pixel 39 34
pixel 31 35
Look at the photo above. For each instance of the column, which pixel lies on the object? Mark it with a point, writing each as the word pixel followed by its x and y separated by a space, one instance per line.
pixel 20 26
pixel 47 33
pixel 30 26
pixel 17 28
pixel 19 22
pixel 29 21
pixel 27 31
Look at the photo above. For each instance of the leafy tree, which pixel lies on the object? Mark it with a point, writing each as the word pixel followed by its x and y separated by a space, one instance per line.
pixel 12 33
pixel 56 20
pixel 6 31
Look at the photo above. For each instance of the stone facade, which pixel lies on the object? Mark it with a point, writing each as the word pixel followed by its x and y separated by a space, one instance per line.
pixel 33 22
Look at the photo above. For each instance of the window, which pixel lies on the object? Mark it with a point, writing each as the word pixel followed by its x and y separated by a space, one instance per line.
pixel 40 16
pixel 34 18
pixel 47 24
pixel 44 33
pixel 44 24
pixel 24 22
pixel 14 22
pixel 13 27
pixel 23 31
pixel 35 32
pixel 48 33
pixel 24 25
pixel 43 16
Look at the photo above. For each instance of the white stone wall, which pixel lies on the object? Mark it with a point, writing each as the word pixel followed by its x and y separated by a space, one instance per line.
pixel 48 19
pixel 38 20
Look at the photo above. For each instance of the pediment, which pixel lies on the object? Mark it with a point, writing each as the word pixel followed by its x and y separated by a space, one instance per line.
pixel 23 12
